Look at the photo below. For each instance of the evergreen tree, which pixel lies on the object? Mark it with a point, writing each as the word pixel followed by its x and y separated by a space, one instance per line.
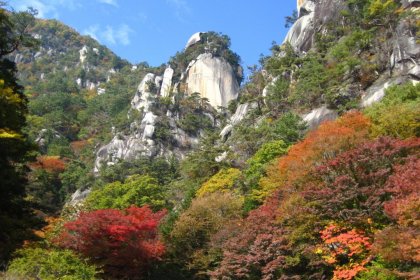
pixel 14 212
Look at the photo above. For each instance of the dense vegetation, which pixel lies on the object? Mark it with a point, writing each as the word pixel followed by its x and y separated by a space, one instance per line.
pixel 337 202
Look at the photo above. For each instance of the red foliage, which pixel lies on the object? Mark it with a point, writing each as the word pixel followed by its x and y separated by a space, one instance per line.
pixel 352 187
pixel 123 242
pixel 257 247
pixel 401 242
pixel 51 164
pixel 404 186
pixel 346 250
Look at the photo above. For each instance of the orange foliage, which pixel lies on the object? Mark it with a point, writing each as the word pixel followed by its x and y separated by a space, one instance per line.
pixel 52 223
pixel 50 164
pixel 327 141
pixel 78 146
pixel 347 250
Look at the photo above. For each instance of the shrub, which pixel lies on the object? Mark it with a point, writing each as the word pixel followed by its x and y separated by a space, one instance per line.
pixel 346 250
pixel 397 115
pixel 38 263
pixel 136 190
pixel 256 247
pixel 192 232
pixel 256 169
pixel 222 181
pixel 125 243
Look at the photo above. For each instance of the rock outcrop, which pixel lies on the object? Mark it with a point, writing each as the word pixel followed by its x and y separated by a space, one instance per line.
pixel 211 76
pixel 241 111
pixel 318 115
pixel 313 17
pixel 195 38
pixel 167 82
pixel 214 78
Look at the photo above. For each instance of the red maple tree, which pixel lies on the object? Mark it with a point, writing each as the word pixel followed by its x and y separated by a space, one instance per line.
pixel 124 243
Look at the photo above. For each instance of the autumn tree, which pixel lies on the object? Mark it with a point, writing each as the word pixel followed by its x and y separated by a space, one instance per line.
pixel 331 138
pixel 14 214
pixel 223 180
pixel 255 247
pixel 124 242
pixel 352 186
pixel 191 235
pixel 398 244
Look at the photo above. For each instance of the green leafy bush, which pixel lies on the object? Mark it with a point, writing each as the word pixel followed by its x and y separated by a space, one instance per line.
pixel 223 180
pixel 51 264
pixel 136 190
pixel 397 115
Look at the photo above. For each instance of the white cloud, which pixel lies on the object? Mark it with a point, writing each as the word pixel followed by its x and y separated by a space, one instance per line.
pixel 92 31
pixel 181 8
pixel 123 34
pixel 111 35
pixel 109 2
pixel 46 8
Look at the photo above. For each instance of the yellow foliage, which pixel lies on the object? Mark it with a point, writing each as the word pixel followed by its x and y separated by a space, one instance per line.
pixel 221 181
pixel 9 96
pixel 9 134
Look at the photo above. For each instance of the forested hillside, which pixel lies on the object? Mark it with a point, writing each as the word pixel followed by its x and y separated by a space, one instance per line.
pixel 307 169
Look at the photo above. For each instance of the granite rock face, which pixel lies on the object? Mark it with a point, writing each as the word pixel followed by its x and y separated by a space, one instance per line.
pixel 318 115
pixel 241 111
pixel 195 38
pixel 313 17
pixel 214 78
pixel 166 82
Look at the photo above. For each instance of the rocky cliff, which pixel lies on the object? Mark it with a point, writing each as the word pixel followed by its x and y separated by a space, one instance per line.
pixel 316 18
pixel 210 76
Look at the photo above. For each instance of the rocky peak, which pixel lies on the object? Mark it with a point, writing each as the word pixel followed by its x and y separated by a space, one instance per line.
pixel 313 16
pixel 213 78
pixel 195 38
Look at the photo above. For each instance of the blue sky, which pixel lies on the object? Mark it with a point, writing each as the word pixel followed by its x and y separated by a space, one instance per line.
pixel 154 30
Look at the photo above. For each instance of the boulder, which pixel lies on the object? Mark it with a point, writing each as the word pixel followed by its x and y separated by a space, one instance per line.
pixel 319 115
pixel 239 115
pixel 214 79
pixel 196 37
pixel 83 54
pixel 167 82
pixel 141 99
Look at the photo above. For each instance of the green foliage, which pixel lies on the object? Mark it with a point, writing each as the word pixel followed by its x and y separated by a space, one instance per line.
pixel 77 175
pixel 290 20
pixel 15 215
pixel 50 264
pixel 312 80
pixel 136 190
pixel 161 169
pixel 377 270
pixel 250 136
pixel 256 167
pixel 222 181
pixel 201 163
pixel 397 114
